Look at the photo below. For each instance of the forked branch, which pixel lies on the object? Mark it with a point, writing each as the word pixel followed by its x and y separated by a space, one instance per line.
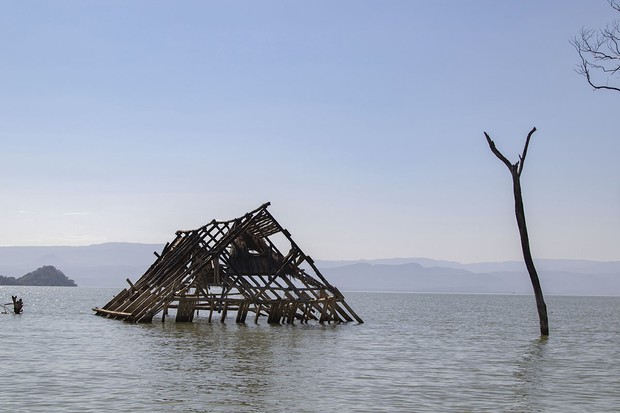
pixel 517 168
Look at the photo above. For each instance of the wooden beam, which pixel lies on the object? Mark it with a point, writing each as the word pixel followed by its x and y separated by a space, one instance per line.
pixel 110 312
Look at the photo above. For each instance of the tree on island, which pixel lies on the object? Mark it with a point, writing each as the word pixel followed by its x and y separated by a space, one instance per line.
pixel 599 51
pixel 515 171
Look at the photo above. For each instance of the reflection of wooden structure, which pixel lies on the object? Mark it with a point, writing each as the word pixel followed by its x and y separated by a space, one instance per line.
pixel 229 266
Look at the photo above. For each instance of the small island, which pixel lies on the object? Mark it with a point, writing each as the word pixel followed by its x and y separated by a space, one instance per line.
pixel 48 276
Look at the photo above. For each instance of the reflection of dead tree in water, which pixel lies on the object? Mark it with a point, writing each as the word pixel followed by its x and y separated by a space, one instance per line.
pixel 515 171
pixel 530 375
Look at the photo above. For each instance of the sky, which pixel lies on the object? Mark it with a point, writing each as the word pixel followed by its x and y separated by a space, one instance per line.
pixel 360 121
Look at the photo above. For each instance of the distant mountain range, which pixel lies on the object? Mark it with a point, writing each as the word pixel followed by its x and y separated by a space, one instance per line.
pixel 109 264
pixel 99 265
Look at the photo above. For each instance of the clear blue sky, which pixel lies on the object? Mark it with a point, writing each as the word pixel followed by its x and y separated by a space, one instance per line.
pixel 361 121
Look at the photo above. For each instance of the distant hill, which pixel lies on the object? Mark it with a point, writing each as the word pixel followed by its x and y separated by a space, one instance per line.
pixel 568 265
pixel 413 277
pixel 562 277
pixel 47 275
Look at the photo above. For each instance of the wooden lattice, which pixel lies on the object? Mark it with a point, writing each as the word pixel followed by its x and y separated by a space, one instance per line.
pixel 229 266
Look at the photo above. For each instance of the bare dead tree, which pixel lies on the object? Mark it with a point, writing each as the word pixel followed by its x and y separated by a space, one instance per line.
pixel 599 51
pixel 515 171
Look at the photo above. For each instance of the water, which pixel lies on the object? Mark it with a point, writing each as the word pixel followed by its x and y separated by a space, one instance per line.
pixel 416 352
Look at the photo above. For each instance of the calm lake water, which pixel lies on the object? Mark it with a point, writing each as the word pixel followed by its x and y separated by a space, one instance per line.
pixel 415 353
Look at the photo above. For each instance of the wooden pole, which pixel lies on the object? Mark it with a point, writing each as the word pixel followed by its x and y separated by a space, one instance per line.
pixel 257 314
pixel 18 305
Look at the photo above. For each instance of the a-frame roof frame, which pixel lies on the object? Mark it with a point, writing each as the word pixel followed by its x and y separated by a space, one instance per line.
pixel 239 257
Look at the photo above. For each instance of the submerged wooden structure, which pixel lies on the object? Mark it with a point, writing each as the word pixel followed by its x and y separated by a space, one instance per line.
pixel 236 265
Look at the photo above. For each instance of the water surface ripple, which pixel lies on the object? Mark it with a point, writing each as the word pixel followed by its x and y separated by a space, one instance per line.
pixel 416 352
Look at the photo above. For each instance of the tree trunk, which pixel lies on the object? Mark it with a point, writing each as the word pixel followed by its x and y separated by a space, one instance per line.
pixel 527 256
pixel 515 171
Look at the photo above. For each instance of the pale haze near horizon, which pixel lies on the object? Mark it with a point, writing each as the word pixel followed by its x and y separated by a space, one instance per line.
pixel 362 122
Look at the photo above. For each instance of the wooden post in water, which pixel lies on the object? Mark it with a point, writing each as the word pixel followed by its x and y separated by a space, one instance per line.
pixel 224 311
pixel 257 313
pixel 18 305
